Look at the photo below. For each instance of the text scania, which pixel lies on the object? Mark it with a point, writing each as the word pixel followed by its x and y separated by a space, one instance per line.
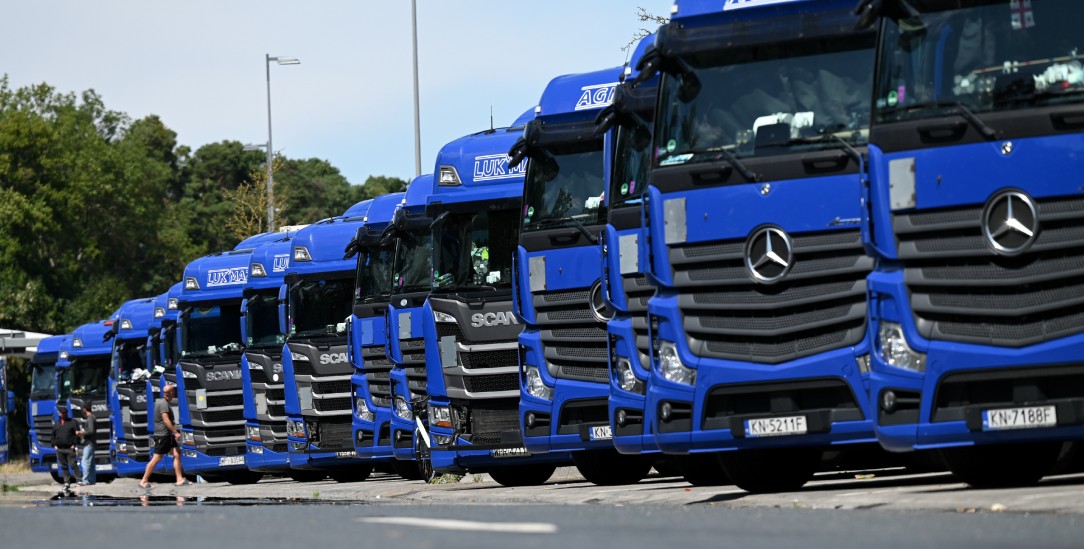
pixel 493 319
pixel 225 375
pixel 227 277
pixel 495 166
pixel 333 358
pixel 99 408
pixel 593 97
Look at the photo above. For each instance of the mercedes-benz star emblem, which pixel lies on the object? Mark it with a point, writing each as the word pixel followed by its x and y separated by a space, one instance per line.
pixel 768 255
pixel 599 308
pixel 1010 223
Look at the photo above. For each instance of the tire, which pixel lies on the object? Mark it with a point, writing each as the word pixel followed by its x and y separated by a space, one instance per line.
pixel 668 466
pixel 766 471
pixel 609 468
pixel 305 475
pixel 239 478
pixel 1002 466
pixel 407 470
pixel 523 475
pixel 424 460
pixel 703 470
pixel 356 473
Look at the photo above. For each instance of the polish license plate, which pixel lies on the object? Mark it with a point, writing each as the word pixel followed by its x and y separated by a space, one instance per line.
pixel 106 467
pixel 510 452
pixel 1030 417
pixel 231 460
pixel 347 454
pixel 776 426
pixel 602 432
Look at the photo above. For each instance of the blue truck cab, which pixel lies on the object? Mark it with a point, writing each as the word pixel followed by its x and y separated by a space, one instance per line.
pixel 41 403
pixel 164 351
pixel 128 396
pixel 208 374
pixel 371 382
pixel 564 349
pixel 976 217
pixel 412 276
pixel 319 293
pixel 262 376
pixel 471 334
pixel 760 348
pixel 82 376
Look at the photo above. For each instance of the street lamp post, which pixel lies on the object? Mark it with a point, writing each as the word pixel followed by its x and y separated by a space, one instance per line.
pixel 270 154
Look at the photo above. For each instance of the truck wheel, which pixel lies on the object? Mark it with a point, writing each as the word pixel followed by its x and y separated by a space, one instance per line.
pixel 1002 466
pixel 356 473
pixel 609 468
pixel 703 470
pixel 523 475
pixel 771 470
pixel 407 470
pixel 242 477
pixel 305 475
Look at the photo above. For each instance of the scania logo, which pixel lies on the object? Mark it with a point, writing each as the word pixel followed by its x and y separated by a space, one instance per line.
pixel 99 408
pixel 599 308
pixel 499 318
pixel 224 375
pixel 1010 223
pixel 333 358
pixel 276 368
pixel 141 398
pixel 768 255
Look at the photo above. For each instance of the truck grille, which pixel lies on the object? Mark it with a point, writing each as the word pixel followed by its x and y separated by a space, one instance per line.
pixel 491 383
pixel 225 441
pixel 334 435
pixel 490 418
pixel 961 291
pixel 413 365
pixel 377 366
pixel 331 387
pixel 477 360
pixel 331 404
pixel 820 305
pixel 43 425
pixel 573 339
pixel 638 292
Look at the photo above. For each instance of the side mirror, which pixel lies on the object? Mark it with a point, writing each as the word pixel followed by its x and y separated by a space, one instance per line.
pixel 282 309
pixel 244 315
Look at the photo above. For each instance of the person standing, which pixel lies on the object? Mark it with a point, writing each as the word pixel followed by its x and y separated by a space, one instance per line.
pixel 89 446
pixel 64 441
pixel 167 438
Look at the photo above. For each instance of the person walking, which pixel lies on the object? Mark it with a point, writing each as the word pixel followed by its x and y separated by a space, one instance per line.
pixel 167 438
pixel 89 446
pixel 64 441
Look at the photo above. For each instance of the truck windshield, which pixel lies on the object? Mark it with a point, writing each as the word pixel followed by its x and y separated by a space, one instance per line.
pixel 319 307
pixel 127 357
pixel 984 55
pixel 89 376
pixel 64 383
pixel 262 320
pixel 630 169
pixel 570 188
pixel 767 99
pixel 172 353
pixel 474 251
pixel 207 331
pixel 374 274
pixel 43 381
pixel 413 262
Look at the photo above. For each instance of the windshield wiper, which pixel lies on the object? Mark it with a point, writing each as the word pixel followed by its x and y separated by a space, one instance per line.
pixel 544 223
pixel 726 155
pixel 843 144
pixel 958 109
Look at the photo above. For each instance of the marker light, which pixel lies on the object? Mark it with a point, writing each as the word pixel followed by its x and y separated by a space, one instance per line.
pixel 77 342
pixel 190 283
pixel 172 304
pixel 257 270
pixel 159 312
pixel 125 324
pixel 301 253
pixel 448 176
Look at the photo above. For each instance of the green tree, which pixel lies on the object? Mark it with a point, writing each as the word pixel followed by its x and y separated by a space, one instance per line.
pixel 376 185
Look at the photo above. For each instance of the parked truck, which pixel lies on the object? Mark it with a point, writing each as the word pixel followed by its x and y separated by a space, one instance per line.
pixel 316 369
pixel 163 355
pixel 760 351
pixel 564 348
pixel 130 444
pixel 471 334
pixel 41 404
pixel 976 216
pixel 82 377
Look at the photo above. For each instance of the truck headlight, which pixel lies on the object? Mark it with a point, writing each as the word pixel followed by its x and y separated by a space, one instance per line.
pixel 402 409
pixel 894 350
pixel 253 432
pixel 362 410
pixel 188 438
pixel 188 375
pixel 440 416
pixel 295 429
pixel 671 367
pixel 535 386
pixel 34 448
pixel 626 379
pixel 439 316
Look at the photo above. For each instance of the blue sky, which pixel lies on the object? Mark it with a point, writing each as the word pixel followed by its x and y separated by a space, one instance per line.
pixel 199 65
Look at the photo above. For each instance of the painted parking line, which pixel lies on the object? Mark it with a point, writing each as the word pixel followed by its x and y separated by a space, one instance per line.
pixel 465 525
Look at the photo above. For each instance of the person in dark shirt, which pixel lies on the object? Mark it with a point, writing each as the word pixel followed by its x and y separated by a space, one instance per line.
pixel 89 446
pixel 64 441
pixel 167 438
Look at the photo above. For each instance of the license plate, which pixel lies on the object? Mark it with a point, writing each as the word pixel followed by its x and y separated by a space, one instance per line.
pixel 776 426
pixel 510 452
pixel 231 460
pixel 104 467
pixel 1019 418
pixel 602 433
pixel 348 454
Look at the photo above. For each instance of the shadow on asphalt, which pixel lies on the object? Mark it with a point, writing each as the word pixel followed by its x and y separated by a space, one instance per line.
pixel 1064 480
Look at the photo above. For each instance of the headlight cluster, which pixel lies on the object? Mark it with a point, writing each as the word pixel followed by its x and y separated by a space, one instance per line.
pixel 440 416
pixel 671 367
pixel 188 438
pixel 188 375
pixel 402 409
pixel 295 429
pixel 894 350
pixel 362 410
pixel 439 316
pixel 535 386
pixel 626 379
pixel 253 432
